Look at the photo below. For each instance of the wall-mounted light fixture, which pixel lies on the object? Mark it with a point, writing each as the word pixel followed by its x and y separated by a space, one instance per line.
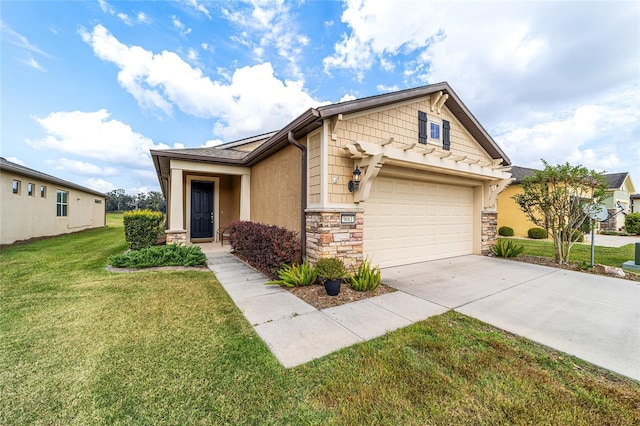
pixel 354 184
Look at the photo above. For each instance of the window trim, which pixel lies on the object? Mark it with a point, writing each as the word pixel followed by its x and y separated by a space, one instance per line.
pixel 435 122
pixel 43 191
pixel 62 203
pixel 30 189
pixel 15 186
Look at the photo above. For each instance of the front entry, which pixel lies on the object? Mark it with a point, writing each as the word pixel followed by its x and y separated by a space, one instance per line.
pixel 202 209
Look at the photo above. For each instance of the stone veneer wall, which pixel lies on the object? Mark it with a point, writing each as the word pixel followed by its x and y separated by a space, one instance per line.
pixel 326 237
pixel 489 230
pixel 176 237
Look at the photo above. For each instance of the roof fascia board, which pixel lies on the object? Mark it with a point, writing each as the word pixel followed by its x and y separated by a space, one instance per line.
pixel 48 178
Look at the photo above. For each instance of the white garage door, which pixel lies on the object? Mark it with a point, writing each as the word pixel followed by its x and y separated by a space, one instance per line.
pixel 407 222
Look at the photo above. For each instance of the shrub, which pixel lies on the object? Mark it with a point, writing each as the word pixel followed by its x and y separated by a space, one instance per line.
pixel 142 228
pixel 295 275
pixel 505 231
pixel 537 233
pixel 169 255
pixel 507 248
pixel 263 246
pixel 330 268
pixel 632 223
pixel 366 277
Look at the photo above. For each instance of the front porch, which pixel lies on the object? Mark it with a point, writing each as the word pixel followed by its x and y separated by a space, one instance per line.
pixel 204 199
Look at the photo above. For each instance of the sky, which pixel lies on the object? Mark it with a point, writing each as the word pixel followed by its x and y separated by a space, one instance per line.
pixel 87 88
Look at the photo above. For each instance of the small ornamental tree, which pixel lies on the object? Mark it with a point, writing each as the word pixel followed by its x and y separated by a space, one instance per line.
pixel 558 199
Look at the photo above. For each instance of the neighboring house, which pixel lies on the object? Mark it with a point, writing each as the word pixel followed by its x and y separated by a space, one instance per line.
pixel 635 203
pixel 619 189
pixel 511 214
pixel 430 174
pixel 34 204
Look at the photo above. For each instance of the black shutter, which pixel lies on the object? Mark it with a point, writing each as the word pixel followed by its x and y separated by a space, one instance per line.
pixel 422 127
pixel 446 141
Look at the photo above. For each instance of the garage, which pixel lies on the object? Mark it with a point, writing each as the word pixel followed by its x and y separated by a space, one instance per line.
pixel 408 221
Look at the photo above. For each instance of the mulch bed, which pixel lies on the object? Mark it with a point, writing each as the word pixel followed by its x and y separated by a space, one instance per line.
pixel 316 296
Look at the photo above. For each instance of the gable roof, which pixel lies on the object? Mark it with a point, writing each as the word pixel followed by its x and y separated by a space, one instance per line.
pixel 615 180
pixel 313 118
pixel 9 166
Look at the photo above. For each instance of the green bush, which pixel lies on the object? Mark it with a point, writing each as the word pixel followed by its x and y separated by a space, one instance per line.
pixel 330 268
pixel 505 231
pixel 507 248
pixel 577 236
pixel 632 223
pixel 142 228
pixel 537 233
pixel 169 255
pixel 366 277
pixel 295 275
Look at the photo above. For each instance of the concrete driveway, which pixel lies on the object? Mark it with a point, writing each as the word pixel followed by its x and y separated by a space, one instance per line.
pixel 593 317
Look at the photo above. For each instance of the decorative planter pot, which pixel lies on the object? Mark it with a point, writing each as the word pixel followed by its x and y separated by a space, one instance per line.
pixel 332 287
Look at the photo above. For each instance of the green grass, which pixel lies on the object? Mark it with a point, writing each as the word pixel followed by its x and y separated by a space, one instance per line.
pixel 581 253
pixel 82 346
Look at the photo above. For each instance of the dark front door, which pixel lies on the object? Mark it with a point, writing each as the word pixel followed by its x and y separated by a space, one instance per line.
pixel 201 209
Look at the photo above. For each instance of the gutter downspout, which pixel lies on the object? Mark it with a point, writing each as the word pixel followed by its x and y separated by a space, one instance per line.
pixel 303 196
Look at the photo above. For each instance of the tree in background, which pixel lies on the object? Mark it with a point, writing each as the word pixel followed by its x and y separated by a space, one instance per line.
pixel 118 200
pixel 559 198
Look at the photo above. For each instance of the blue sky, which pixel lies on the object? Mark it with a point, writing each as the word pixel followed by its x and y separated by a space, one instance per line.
pixel 87 88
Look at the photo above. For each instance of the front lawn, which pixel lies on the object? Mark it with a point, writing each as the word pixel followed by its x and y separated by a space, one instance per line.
pixel 581 252
pixel 80 345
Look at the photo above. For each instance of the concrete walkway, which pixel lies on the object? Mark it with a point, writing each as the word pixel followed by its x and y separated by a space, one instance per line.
pixel 592 317
pixel 295 331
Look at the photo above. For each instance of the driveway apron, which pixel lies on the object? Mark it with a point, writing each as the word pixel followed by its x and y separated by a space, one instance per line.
pixel 593 317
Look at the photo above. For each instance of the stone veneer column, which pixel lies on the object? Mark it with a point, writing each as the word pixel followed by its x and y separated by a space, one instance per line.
pixel 326 237
pixel 489 230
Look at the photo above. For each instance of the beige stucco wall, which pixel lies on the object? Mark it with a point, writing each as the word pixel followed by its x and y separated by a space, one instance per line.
pixel 23 217
pixel 275 189
pixel 399 122
pixel 229 200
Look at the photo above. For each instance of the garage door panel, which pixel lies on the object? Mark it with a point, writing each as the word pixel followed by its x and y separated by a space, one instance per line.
pixel 407 222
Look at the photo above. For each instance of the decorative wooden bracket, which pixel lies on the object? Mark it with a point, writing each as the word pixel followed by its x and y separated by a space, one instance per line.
pixel 334 130
pixel 438 100
pixel 372 166
pixel 494 187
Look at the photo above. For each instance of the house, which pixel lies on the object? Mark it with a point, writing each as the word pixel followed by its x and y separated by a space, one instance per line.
pixel 619 190
pixel 510 213
pixel 402 177
pixel 635 203
pixel 34 204
pixel 619 193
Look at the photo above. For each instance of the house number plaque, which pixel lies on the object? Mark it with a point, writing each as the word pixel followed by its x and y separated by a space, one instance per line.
pixel 347 218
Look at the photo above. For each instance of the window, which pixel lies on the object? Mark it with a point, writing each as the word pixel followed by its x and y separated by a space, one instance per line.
pixel 62 203
pixel 434 131
pixel 16 187
pixel 30 189
pixel 43 191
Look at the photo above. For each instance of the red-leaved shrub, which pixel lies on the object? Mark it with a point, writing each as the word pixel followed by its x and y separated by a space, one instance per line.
pixel 265 247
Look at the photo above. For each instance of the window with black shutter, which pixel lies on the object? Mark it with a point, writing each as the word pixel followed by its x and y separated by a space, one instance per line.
pixel 446 139
pixel 422 127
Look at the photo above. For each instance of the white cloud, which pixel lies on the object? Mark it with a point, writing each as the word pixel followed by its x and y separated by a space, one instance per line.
pixel 94 135
pixel 99 185
pixel 269 25
pixel 198 6
pixel 253 101
pixel 19 40
pixel 182 28
pixel 600 135
pixel 82 168
pixel 34 64
pixel 143 18
pixel 212 142
pixel 17 161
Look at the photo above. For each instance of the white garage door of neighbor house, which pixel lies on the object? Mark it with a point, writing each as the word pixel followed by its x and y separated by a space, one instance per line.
pixel 407 221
